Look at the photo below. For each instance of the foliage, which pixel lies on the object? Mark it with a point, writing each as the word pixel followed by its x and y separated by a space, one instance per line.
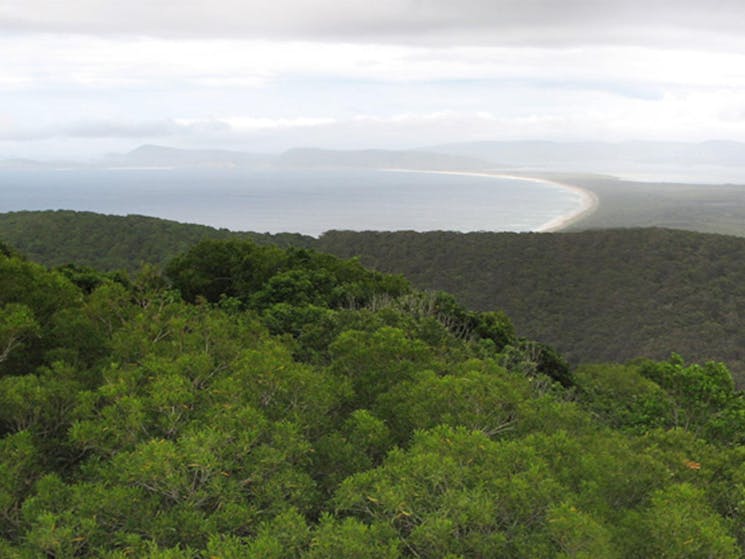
pixel 110 242
pixel 262 276
pixel 279 403
pixel 596 296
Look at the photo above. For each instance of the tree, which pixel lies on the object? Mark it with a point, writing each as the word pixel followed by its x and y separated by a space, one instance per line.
pixel 375 362
pixel 679 524
pixel 17 323
pixel 697 391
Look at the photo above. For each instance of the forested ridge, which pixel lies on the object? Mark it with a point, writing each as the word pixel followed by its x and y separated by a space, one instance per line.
pixel 595 295
pixel 254 401
pixel 112 242
pixel 610 295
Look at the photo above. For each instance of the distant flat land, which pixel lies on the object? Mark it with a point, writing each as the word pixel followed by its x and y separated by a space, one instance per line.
pixel 703 208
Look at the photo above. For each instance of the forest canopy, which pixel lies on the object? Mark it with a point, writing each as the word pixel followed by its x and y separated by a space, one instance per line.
pixel 252 401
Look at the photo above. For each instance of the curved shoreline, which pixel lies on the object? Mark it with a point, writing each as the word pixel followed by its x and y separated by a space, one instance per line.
pixel 589 200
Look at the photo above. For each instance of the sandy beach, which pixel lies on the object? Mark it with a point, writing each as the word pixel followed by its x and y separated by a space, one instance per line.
pixel 589 201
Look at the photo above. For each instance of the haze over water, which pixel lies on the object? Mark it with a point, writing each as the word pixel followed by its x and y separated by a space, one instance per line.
pixel 295 201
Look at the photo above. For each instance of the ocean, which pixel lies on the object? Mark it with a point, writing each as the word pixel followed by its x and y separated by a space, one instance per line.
pixel 308 202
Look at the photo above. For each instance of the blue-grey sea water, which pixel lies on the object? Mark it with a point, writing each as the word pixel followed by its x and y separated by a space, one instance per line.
pixel 308 202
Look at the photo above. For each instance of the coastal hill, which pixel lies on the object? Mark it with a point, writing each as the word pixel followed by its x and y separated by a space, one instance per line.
pixel 111 242
pixel 694 159
pixel 713 162
pixel 705 162
pixel 596 295
pixel 162 156
pixel 378 159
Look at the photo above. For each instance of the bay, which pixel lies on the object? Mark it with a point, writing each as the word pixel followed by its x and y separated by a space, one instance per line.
pixel 308 202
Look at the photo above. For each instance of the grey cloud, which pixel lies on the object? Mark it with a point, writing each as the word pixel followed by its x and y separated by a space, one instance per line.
pixel 148 129
pixel 23 134
pixel 463 21
pixel 115 129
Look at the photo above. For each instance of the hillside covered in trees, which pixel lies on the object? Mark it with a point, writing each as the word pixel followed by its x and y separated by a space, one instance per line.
pixel 253 401
pixel 596 296
pixel 111 242
pixel 609 295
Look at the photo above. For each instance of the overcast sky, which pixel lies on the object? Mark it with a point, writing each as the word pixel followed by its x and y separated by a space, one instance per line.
pixel 80 78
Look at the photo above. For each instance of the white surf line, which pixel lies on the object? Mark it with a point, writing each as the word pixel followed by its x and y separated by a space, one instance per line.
pixel 588 199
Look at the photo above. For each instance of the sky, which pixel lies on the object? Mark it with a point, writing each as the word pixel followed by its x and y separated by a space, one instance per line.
pixel 82 78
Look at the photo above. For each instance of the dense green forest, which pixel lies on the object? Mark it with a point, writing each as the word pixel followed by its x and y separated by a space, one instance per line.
pixel 111 242
pixel 609 295
pixel 254 401
pixel 596 296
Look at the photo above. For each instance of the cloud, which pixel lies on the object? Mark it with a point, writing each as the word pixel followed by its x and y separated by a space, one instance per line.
pixel 184 128
pixel 58 63
pixel 392 73
pixel 94 129
pixel 513 22
pixel 147 129
pixel 262 123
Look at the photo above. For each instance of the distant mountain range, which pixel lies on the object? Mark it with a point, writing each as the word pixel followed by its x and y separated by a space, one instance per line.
pixel 692 159
pixel 152 156
pixel 379 159
pixel 161 156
